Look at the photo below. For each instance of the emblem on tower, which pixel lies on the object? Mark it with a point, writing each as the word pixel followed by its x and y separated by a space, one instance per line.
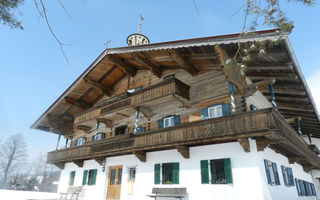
pixel 138 38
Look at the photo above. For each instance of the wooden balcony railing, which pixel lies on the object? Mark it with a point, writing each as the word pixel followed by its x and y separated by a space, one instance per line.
pixel 160 90
pixel 255 124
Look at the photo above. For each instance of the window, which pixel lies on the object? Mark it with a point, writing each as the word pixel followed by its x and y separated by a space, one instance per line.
pixel 168 121
pixel 140 129
pixel 287 176
pixel 71 178
pixel 134 89
pixel 121 130
pixel 215 110
pixel 166 173
pixel 272 172
pixel 305 188
pixel 89 177
pixel 218 170
pixel 80 141
pixel 132 173
pixel 97 136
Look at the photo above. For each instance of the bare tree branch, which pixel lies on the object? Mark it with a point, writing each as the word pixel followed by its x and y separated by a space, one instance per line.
pixel 65 10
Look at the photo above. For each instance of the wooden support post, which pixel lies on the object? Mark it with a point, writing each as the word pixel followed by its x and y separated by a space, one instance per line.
pixel 262 143
pixel 244 142
pixel 185 64
pixel 252 88
pixel 79 163
pixel 106 90
pixel 233 104
pixel 67 140
pixel 137 120
pixel 273 99
pixel 100 160
pixel 141 155
pixel 130 70
pixel 184 151
pixel 157 71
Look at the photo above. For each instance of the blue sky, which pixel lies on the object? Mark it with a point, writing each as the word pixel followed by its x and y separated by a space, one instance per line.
pixel 34 73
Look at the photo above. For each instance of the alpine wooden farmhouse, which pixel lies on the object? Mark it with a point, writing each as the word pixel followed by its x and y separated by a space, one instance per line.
pixel 179 120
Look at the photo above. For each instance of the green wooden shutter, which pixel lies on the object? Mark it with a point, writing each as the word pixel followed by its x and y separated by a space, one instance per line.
pixel 290 176
pixel 298 187
pixel 204 113
pixel 302 188
pixel 276 174
pixel 283 169
pixel 176 120
pixel 102 136
pixel 175 173
pixel 225 109
pixel 266 166
pixel 157 174
pixel 71 178
pixel 160 123
pixel 227 170
pixel 75 142
pixel 84 179
pixel 92 138
pixel 94 176
pixel 204 171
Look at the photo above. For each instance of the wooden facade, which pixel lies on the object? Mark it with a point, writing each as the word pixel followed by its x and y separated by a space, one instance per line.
pixel 135 87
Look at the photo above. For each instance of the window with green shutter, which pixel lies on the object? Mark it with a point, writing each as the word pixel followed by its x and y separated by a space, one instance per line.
pixel 220 171
pixel 166 173
pixel 92 177
pixel 215 110
pixel 84 178
pixel 287 176
pixel 71 178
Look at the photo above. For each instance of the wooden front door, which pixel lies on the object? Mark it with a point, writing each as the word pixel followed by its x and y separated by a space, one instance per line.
pixel 114 182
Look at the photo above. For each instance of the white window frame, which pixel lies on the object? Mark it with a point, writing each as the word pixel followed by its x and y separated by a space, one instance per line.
pixel 215 111
pixel 272 174
pixel 170 121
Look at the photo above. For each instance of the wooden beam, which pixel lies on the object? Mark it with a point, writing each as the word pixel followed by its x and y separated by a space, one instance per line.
pixel 252 88
pixel 141 155
pixel 295 159
pixel 100 160
pixel 293 119
pixel 59 165
pixel 182 62
pixel 130 70
pixel 231 70
pixel 244 142
pixel 79 163
pixel 106 122
pixel 84 128
pixel 145 111
pixel 307 168
pixel 107 91
pixel 60 125
pixel 262 143
pixel 184 151
pixel 74 102
pixel 156 70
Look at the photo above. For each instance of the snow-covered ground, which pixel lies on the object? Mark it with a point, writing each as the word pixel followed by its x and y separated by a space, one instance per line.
pixel 26 195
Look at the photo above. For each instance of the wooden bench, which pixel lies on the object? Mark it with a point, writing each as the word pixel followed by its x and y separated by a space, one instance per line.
pixel 177 193
pixel 73 193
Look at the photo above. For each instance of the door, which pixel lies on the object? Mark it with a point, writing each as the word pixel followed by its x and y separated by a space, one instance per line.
pixel 114 182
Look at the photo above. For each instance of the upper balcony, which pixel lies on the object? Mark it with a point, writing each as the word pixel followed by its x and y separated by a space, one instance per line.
pixel 168 88
pixel 266 126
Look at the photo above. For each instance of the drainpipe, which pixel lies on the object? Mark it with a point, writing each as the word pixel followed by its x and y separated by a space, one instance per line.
pixel 137 120
pixel 299 127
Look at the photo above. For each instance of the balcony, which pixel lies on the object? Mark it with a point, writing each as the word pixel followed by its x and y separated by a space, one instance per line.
pixel 266 126
pixel 172 87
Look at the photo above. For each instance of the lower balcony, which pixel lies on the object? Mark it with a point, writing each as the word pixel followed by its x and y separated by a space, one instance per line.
pixel 266 126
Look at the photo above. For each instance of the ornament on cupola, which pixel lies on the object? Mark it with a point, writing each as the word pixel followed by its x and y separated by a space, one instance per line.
pixel 138 38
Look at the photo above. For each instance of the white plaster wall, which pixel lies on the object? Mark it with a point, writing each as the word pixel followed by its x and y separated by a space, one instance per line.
pixel 249 177
pixel 96 191
pixel 258 100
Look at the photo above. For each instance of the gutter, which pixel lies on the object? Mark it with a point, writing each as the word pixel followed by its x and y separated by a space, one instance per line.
pixel 296 66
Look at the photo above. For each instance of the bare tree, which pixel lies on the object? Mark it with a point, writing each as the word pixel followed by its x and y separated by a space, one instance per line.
pixel 12 157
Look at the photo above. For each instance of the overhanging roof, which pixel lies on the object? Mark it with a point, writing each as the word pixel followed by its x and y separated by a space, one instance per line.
pixel 292 93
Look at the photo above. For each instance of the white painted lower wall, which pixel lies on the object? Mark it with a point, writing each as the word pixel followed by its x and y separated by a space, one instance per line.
pixel 248 171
